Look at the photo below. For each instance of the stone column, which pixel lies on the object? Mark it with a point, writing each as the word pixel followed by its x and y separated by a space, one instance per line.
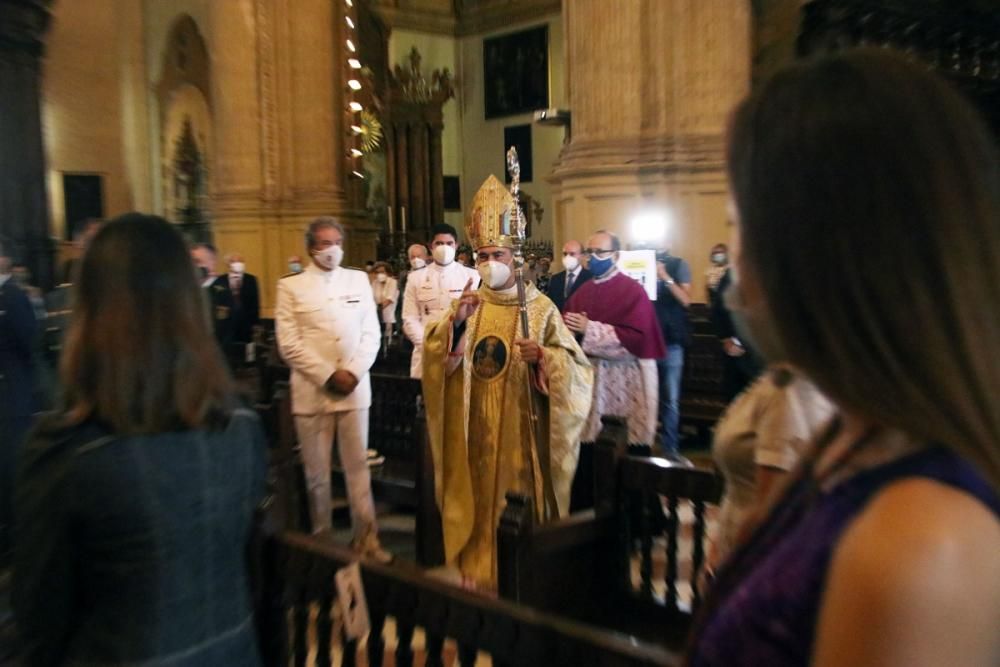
pixel 651 84
pixel 24 214
pixel 317 90
pixel 277 90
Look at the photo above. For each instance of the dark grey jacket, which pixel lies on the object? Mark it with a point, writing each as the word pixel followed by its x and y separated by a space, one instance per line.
pixel 132 550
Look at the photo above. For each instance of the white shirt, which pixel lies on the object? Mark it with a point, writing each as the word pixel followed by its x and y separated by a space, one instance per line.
pixel 572 276
pixel 429 293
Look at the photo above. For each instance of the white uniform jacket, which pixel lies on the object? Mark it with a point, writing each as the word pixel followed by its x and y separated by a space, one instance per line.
pixel 325 321
pixel 429 293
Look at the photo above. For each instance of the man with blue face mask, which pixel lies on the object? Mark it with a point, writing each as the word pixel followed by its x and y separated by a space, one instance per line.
pixel 616 324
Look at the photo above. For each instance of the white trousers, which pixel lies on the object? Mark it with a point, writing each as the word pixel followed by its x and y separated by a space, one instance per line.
pixel 316 435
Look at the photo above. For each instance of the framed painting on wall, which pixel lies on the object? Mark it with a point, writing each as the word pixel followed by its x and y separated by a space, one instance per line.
pixel 518 136
pixel 516 71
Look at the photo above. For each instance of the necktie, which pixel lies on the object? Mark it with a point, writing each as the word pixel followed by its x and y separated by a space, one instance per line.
pixel 569 283
pixel 236 291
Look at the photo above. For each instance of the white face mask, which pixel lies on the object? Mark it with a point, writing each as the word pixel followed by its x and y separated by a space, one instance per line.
pixel 381 277
pixel 444 254
pixel 494 274
pixel 417 263
pixel 571 262
pixel 238 267
pixel 330 257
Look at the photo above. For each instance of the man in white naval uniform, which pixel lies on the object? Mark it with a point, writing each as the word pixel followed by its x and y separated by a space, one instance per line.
pixel 328 333
pixel 430 291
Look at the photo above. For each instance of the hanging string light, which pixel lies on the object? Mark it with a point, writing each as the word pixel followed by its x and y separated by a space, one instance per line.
pixel 354 106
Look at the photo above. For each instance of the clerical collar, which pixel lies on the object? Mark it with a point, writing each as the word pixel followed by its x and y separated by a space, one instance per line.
pixel 607 276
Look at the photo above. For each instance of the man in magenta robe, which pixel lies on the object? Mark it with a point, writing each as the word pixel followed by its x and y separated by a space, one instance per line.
pixel 618 330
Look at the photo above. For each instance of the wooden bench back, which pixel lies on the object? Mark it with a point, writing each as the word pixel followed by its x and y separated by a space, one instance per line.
pixel 299 595
pixel 654 499
pixel 583 564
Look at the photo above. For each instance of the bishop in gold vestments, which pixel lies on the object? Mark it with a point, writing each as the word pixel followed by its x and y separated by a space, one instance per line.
pixel 476 389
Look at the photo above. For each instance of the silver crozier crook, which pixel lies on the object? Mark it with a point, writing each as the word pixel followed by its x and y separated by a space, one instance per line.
pixel 539 453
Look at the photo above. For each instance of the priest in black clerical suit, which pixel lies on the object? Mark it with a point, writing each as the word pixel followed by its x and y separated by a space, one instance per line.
pixel 235 300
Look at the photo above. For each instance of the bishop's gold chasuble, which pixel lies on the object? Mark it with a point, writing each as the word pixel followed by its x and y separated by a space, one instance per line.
pixel 477 418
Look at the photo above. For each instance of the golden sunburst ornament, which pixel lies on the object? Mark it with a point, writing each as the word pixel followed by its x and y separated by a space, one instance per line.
pixel 371 132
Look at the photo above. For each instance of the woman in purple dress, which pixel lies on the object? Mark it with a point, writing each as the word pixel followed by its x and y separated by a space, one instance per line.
pixel 867 202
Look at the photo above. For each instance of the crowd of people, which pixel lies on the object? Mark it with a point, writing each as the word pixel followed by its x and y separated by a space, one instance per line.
pixel 855 307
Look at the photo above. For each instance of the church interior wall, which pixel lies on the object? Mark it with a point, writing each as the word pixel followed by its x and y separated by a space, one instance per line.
pixel 159 19
pixel 437 52
pixel 483 140
pixel 82 109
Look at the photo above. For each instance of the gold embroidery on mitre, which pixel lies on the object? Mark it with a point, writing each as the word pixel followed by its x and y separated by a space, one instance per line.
pixel 489 219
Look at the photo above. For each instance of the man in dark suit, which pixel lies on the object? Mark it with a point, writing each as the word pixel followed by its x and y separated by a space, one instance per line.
pixel 563 284
pixel 235 300
pixel 17 385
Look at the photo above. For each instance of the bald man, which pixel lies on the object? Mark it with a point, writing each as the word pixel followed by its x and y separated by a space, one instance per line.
pixel 563 284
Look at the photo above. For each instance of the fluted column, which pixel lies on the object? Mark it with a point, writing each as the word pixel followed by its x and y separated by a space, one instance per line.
pixel 317 92
pixel 651 84
pixel 236 177
pixel 24 216
pixel 278 83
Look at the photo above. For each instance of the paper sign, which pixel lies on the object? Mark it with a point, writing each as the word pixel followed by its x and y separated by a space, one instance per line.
pixel 353 606
pixel 640 265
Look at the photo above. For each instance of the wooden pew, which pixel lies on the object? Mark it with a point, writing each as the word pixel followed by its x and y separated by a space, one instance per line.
pixel 297 596
pixel 584 562
pixel 702 399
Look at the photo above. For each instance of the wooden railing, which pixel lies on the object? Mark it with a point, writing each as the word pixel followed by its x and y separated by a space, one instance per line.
pixel 583 565
pixel 298 598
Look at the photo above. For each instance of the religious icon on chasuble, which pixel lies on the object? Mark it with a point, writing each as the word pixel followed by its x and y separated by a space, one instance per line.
pixel 489 359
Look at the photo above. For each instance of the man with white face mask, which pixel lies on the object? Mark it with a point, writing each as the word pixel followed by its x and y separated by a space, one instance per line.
pixel 476 377
pixel 328 333
pixel 564 283
pixel 430 291
pixel 236 298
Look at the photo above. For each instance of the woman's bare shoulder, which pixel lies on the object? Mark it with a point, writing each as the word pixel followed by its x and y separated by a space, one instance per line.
pixel 914 580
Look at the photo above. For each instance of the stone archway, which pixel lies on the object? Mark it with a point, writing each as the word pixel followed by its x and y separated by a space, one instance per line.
pixel 185 132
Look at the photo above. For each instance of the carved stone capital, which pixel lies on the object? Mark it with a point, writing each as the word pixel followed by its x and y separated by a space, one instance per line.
pixel 686 153
pixel 23 24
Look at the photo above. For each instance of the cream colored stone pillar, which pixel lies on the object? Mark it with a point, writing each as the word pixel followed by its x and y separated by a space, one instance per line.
pixel 277 106
pixel 651 84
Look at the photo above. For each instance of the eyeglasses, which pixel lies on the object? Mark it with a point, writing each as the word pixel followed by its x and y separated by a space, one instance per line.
pixel 599 252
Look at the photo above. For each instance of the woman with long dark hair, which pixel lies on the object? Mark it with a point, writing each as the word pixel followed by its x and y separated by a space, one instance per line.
pixel 867 194
pixel 135 500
